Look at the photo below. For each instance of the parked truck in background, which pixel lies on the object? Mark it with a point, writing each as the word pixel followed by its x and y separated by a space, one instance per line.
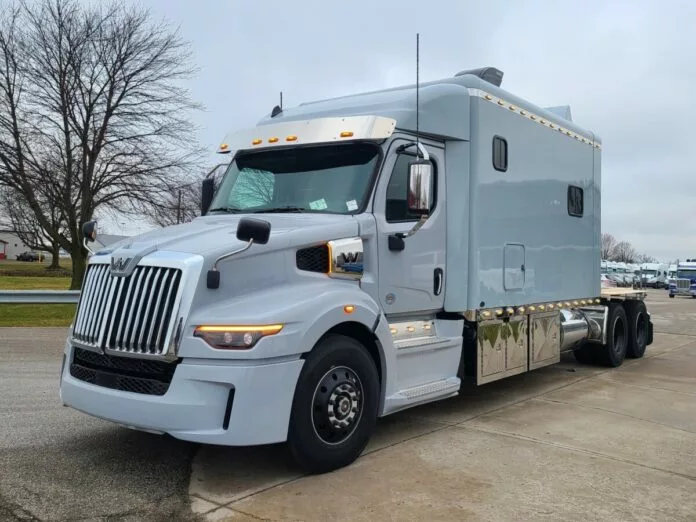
pixel 654 274
pixel 359 257
pixel 684 283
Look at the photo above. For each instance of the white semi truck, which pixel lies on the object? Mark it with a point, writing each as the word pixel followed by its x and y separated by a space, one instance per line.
pixel 361 255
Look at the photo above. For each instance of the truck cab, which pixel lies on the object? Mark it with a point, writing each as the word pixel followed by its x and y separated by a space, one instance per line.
pixel 684 283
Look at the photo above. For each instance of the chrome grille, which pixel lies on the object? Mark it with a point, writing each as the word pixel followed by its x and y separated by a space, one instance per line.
pixel 683 283
pixel 132 314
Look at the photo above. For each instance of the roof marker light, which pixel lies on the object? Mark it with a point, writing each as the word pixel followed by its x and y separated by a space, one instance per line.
pixel 272 140
pixel 291 138
pixel 347 134
pixel 257 142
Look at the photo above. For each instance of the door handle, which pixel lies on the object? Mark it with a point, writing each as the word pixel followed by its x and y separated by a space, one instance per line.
pixel 438 276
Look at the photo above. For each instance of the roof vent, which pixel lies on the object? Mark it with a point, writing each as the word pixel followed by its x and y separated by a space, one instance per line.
pixel 487 74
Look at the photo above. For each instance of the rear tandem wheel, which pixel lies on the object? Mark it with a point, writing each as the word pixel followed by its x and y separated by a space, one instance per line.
pixel 612 353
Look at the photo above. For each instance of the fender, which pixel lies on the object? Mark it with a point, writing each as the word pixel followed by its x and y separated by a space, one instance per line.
pixel 307 309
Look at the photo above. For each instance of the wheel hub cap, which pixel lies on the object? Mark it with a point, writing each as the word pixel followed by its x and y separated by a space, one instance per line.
pixel 337 405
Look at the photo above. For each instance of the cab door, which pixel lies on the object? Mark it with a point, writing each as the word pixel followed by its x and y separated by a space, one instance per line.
pixel 412 280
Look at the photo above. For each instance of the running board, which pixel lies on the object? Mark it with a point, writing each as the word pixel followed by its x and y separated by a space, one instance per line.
pixel 422 394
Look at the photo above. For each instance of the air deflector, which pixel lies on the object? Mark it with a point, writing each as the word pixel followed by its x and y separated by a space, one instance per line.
pixel 487 74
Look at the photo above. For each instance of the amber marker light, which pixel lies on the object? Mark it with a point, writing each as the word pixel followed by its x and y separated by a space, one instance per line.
pixel 291 138
pixel 349 309
pixel 257 142
pixel 272 140
pixel 235 337
pixel 347 134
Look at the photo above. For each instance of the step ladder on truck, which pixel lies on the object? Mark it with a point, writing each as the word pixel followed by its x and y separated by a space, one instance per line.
pixel 360 256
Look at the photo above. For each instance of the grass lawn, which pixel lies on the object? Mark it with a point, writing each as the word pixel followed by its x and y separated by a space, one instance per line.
pixel 36 269
pixel 36 314
pixel 33 283
pixel 18 275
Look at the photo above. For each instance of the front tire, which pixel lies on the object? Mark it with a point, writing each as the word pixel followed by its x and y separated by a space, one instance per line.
pixel 334 410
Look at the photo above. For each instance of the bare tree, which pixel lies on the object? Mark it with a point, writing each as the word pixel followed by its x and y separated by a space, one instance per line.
pixel 645 258
pixel 182 202
pixel 91 112
pixel 180 205
pixel 608 245
pixel 624 253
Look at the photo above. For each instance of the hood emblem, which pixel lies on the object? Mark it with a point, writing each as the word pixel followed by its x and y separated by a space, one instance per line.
pixel 119 265
pixel 124 265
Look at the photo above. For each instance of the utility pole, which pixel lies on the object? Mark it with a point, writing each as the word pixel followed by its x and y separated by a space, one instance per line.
pixel 178 209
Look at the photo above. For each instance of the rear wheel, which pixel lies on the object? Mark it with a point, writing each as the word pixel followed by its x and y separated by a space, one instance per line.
pixel 334 410
pixel 614 352
pixel 637 320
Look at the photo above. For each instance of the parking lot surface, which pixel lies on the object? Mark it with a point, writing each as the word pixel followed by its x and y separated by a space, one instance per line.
pixel 569 442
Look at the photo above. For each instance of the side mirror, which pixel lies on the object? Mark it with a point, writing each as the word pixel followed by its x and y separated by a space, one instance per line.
pixel 207 193
pixel 256 229
pixel 420 187
pixel 89 230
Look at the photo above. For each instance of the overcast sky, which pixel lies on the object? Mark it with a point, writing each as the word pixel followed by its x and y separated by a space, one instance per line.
pixel 628 74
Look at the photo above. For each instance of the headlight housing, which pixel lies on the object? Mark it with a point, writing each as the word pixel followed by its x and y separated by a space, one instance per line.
pixel 235 337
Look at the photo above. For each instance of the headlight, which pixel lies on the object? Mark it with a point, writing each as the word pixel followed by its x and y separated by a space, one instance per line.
pixel 237 337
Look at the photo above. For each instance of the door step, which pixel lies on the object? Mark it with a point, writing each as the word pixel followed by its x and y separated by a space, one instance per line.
pixel 430 343
pixel 423 393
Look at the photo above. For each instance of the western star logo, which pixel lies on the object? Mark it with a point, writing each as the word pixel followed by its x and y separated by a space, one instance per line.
pixel 119 264
pixel 350 257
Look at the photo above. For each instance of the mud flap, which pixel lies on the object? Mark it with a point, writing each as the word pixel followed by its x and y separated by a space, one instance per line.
pixel 650 332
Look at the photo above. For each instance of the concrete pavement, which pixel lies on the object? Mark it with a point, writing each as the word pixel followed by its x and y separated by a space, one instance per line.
pixel 58 464
pixel 570 442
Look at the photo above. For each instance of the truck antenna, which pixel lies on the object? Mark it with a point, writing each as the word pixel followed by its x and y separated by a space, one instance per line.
pixel 417 92
pixel 278 108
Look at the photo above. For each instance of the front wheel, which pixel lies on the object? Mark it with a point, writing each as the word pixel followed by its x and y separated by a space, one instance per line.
pixel 334 410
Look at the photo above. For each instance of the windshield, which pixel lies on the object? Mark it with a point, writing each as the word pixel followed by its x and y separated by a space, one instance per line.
pixel 649 272
pixel 687 273
pixel 333 179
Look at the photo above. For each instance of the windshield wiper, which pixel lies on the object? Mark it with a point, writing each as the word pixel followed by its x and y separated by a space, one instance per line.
pixel 225 209
pixel 280 209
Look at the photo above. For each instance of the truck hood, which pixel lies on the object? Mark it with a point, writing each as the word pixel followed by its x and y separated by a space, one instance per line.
pixel 214 235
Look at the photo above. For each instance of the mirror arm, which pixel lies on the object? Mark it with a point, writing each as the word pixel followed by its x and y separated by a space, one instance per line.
pixel 415 228
pixel 420 146
pixel 233 253
pixel 84 243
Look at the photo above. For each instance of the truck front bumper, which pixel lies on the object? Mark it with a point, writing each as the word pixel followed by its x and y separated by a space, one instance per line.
pixel 232 403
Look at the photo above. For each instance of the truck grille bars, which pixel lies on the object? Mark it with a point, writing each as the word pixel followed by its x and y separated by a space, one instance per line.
pixel 683 284
pixel 129 315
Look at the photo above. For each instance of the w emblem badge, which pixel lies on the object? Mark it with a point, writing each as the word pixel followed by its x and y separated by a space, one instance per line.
pixel 119 265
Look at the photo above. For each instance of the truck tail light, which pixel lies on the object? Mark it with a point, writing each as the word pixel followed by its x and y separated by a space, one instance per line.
pixel 235 337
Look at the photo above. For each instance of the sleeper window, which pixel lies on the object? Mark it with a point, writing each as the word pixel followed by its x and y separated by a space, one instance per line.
pixel 397 191
pixel 576 201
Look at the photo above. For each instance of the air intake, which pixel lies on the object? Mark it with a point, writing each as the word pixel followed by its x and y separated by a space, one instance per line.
pixel 487 74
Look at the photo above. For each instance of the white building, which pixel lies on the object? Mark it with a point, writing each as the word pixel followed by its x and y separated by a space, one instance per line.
pixel 10 245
